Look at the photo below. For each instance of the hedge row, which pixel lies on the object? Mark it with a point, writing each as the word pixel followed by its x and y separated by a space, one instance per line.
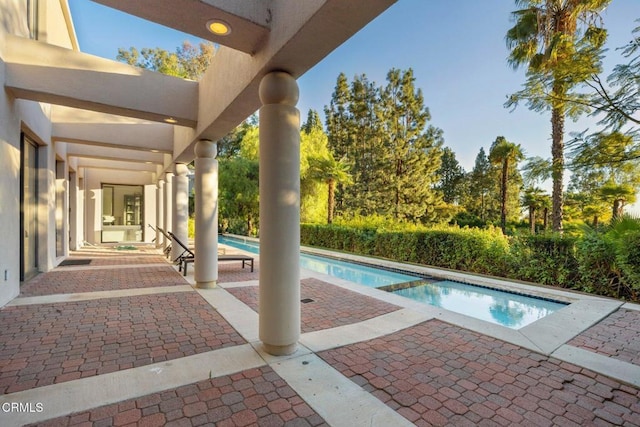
pixel 592 263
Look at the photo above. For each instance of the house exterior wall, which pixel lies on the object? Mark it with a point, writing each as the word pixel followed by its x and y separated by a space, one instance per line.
pixel 34 119
pixel 14 22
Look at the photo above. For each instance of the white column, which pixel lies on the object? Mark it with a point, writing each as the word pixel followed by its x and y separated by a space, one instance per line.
pixel 206 205
pixel 279 301
pixel 180 221
pixel 160 213
pixel 168 205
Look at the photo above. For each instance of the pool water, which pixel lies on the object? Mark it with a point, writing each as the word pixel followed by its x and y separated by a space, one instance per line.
pixel 499 307
pixel 361 274
pixel 504 308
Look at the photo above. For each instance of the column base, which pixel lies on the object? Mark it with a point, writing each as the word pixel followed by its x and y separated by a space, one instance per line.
pixel 206 285
pixel 280 350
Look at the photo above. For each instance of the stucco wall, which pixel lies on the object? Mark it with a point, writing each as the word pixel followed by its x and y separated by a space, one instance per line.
pixel 10 21
pixel 34 119
pixel 9 198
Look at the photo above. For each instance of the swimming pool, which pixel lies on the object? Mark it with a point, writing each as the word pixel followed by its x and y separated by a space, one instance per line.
pixel 503 308
pixel 361 274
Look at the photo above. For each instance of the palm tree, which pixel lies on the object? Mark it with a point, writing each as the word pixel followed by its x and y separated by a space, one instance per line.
pixel 534 198
pixel 332 172
pixel 559 42
pixel 619 195
pixel 504 153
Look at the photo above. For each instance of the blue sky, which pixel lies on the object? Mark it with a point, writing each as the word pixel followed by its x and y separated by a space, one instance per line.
pixel 458 54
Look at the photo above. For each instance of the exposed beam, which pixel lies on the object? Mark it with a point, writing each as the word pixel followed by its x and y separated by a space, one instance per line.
pixel 151 137
pixel 45 73
pixel 249 20
pixel 113 153
pixel 115 165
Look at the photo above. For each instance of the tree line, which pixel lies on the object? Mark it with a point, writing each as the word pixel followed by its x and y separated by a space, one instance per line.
pixel 378 155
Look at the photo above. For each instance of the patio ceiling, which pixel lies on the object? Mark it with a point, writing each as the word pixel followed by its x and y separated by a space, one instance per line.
pixel 249 20
pixel 108 104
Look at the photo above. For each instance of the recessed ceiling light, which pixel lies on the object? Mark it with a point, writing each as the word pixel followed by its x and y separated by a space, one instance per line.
pixel 171 120
pixel 219 27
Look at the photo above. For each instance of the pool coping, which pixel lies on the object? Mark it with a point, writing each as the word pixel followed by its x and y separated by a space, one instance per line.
pixel 545 335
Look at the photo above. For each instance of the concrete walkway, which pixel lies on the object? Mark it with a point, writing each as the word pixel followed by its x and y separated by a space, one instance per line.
pixel 124 339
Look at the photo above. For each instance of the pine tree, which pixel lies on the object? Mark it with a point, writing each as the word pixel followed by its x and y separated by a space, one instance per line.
pixel 338 125
pixel 366 151
pixel 412 151
pixel 312 123
pixel 481 184
pixel 452 182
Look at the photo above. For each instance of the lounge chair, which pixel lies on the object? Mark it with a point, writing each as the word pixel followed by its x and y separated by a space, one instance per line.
pixel 186 252
pixel 167 250
pixel 154 230
pixel 188 256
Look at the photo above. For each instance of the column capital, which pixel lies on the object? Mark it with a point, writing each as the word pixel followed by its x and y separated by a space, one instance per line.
pixel 206 148
pixel 279 87
pixel 180 169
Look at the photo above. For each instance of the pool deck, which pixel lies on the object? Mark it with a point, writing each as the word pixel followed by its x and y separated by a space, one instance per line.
pixel 127 340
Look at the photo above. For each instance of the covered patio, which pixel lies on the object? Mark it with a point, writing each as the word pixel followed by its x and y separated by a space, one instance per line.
pixel 109 143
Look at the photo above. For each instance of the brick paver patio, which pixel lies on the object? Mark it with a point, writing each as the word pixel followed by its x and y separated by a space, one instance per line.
pixel 69 280
pixel 617 336
pixel 330 305
pixel 433 373
pixel 439 374
pixel 252 397
pixel 229 272
pixel 51 343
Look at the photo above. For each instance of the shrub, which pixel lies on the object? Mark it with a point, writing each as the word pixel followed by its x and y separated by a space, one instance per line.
pixel 481 251
pixel 605 263
pixel 548 259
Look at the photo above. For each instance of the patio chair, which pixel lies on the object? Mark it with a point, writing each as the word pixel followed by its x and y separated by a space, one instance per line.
pixel 167 250
pixel 154 230
pixel 185 254
pixel 188 256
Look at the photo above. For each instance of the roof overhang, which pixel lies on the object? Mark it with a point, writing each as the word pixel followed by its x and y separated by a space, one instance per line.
pixel 249 20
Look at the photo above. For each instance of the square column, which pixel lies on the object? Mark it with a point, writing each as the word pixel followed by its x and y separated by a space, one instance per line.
pixel 180 220
pixel 279 294
pixel 206 215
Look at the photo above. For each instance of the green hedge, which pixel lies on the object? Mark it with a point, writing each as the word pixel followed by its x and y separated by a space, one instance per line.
pixel 545 259
pixel 475 250
pixel 609 266
pixel 593 263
